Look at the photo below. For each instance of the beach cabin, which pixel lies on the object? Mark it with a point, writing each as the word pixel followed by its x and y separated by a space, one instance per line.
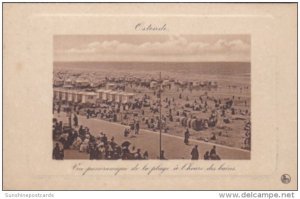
pixel 112 96
pixel 60 93
pixel 74 96
pixel 79 96
pixel 118 97
pixel 127 97
pixel 105 94
pixel 89 97
pixel 69 96
pixel 56 93
pixel 64 95
pixel 100 93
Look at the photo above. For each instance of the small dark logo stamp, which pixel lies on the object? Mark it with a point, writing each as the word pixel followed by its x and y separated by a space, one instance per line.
pixel 285 178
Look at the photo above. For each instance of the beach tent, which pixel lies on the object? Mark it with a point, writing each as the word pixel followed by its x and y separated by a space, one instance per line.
pixel 64 95
pixel 74 96
pixel 56 93
pixel 100 92
pixel 60 94
pixel 111 96
pixel 79 97
pixel 89 97
pixel 69 95
pixel 105 94
pixel 118 97
pixel 127 97
pixel 194 124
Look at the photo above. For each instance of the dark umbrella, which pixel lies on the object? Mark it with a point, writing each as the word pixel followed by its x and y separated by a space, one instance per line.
pixel 125 144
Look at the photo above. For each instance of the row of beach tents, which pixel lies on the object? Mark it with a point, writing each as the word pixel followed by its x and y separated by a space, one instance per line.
pixel 79 96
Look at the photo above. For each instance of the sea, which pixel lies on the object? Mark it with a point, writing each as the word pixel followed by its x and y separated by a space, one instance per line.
pixel 233 71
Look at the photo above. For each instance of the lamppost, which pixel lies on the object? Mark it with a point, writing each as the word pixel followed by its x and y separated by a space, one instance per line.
pixel 160 123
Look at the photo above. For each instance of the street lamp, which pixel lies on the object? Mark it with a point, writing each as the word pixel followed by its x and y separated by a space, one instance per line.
pixel 160 123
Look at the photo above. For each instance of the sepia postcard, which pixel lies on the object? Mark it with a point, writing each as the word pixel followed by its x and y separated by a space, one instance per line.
pixel 134 96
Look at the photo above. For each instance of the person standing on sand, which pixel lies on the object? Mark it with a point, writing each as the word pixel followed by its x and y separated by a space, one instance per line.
pixel 55 153
pixel 88 114
pixel 186 136
pixel 137 127
pixel 195 153
pixel 58 154
pixel 92 150
pixel 75 119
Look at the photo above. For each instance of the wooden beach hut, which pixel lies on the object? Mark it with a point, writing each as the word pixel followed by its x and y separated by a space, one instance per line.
pixel 64 95
pixel 111 96
pixel 89 97
pixel 69 95
pixel 118 97
pixel 100 93
pixel 127 97
pixel 79 97
pixel 56 93
pixel 105 94
pixel 60 94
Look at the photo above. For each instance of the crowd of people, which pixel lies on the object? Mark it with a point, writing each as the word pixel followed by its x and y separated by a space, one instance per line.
pixel 98 147
pixel 101 147
pixel 209 155
pixel 178 110
pixel 187 115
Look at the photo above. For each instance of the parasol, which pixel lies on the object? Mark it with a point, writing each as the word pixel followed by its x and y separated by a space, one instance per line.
pixel 125 144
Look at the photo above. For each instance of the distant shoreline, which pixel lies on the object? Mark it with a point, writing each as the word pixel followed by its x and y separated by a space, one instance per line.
pixel 210 68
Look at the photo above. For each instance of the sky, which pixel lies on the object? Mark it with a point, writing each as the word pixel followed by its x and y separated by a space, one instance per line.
pixel 145 48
